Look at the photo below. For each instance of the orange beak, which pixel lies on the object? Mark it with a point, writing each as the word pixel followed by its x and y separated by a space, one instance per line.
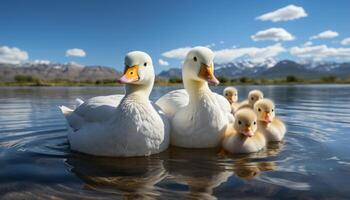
pixel 267 117
pixel 131 74
pixel 207 73
pixel 248 131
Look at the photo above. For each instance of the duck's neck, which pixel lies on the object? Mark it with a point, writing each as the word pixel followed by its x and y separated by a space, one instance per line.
pixel 138 92
pixel 196 90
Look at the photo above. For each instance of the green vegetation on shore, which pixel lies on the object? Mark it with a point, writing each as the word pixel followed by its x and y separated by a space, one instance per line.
pixel 25 80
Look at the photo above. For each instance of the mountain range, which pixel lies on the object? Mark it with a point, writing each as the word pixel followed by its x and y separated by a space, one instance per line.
pixel 49 72
pixel 269 69
pixel 272 70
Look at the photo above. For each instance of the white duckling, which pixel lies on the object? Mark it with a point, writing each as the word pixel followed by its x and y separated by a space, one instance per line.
pixel 198 117
pixel 135 128
pixel 243 137
pixel 231 94
pixel 253 96
pixel 271 126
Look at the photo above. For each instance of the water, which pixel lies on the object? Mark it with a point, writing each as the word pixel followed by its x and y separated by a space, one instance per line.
pixel 313 162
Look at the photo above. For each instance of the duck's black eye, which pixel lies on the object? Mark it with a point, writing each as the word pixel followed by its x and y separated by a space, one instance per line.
pixel 272 110
pixel 254 123
pixel 259 110
pixel 239 122
pixel 195 59
pixel 252 98
pixel 145 64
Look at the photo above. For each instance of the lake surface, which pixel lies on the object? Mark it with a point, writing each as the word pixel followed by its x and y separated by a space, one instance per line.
pixel 313 162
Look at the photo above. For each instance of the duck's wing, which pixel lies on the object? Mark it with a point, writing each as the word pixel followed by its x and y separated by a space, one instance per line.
pixel 173 101
pixel 96 109
pixel 280 125
pixel 225 106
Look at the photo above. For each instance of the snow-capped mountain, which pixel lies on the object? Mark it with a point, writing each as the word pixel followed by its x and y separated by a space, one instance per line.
pixel 271 68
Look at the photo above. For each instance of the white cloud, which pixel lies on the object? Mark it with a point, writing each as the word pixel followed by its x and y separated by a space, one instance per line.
pixel 346 41
pixel 275 34
pixel 325 35
pixel 12 55
pixel 290 12
pixel 308 43
pixel 41 62
pixel 321 52
pixel 230 54
pixel 75 52
pixel 179 53
pixel 163 62
pixel 251 53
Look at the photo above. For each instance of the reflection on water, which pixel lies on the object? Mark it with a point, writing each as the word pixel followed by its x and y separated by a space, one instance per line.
pixel 312 162
pixel 128 177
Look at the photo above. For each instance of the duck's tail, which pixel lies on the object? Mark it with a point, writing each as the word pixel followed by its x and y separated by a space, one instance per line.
pixel 65 110
pixel 78 102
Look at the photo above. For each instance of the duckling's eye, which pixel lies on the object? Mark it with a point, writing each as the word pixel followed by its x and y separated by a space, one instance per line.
pixel 226 94
pixel 195 59
pixel 252 98
pixel 145 64
pixel 254 123
pixel 259 110
pixel 272 110
pixel 239 122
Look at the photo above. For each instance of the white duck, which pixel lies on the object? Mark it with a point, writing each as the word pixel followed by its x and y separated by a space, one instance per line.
pixel 198 116
pixel 272 127
pixel 133 127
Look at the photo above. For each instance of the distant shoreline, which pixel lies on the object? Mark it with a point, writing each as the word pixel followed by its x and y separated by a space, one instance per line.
pixel 164 84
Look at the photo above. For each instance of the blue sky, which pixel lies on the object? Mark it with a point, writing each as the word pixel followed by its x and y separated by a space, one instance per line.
pixel 102 32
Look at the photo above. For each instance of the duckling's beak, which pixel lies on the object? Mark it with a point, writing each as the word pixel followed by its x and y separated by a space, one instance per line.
pixel 267 117
pixel 206 72
pixel 248 131
pixel 131 74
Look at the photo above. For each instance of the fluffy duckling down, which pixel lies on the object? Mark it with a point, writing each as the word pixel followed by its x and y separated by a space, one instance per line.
pixel 231 94
pixel 243 137
pixel 271 126
pixel 253 96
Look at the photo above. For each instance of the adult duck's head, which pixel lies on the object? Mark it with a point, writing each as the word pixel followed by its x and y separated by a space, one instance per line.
pixel 138 72
pixel 245 122
pixel 254 96
pixel 199 66
pixel 265 110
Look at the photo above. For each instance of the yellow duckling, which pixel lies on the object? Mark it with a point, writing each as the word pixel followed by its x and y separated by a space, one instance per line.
pixel 231 94
pixel 272 127
pixel 244 137
pixel 253 97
